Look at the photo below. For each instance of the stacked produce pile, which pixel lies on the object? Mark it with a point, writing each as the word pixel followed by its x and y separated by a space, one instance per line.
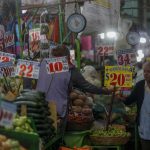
pixel 9 144
pixel 80 112
pixel 37 109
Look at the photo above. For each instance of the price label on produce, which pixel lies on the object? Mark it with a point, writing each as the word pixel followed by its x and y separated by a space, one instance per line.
pixel 57 65
pixel 8 39
pixel 6 57
pixel 28 69
pixel 7 69
pixel 126 57
pixel 119 76
pixel 105 50
pixel 7 113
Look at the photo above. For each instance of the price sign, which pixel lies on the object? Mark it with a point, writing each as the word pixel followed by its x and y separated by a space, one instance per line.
pixel 6 57
pixel 126 57
pixel 8 39
pixel 7 69
pixel 105 50
pixel 119 76
pixel 57 65
pixel 28 69
pixel 7 113
pixel 34 38
pixel 34 34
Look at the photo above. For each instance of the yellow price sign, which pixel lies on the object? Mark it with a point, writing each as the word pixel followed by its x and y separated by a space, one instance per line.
pixel 119 76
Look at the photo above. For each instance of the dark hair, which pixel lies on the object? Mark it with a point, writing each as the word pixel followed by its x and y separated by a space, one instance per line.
pixel 60 51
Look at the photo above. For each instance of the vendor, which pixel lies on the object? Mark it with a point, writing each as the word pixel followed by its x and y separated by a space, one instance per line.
pixel 57 86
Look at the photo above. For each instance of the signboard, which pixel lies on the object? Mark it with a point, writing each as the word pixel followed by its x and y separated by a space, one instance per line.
pixel 28 69
pixel 126 57
pixel 57 65
pixel 8 39
pixel 34 38
pixel 7 113
pixel 6 57
pixel 7 69
pixel 119 76
pixel 105 50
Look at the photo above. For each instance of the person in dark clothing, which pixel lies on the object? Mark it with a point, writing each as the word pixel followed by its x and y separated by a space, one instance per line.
pixel 141 95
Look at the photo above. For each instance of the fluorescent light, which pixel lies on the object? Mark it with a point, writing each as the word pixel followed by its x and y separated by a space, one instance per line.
pixel 102 35
pixel 143 40
pixel 138 59
pixel 140 51
pixel 111 34
pixel 24 11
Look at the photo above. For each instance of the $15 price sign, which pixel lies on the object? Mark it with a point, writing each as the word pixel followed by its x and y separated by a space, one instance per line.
pixel 7 113
pixel 57 65
pixel 28 69
pixel 119 76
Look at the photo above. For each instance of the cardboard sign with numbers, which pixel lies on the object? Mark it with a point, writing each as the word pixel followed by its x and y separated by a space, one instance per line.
pixel 8 39
pixel 105 50
pixel 28 69
pixel 119 76
pixel 7 113
pixel 6 57
pixel 7 69
pixel 34 38
pixel 57 65
pixel 126 57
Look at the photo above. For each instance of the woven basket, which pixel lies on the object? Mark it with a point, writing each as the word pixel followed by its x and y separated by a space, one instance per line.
pixel 75 126
pixel 96 140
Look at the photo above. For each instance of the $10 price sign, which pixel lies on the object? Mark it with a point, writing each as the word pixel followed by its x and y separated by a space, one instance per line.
pixel 119 76
pixel 28 69
pixel 7 113
pixel 57 65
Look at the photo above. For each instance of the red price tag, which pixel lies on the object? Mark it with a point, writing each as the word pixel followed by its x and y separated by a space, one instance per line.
pixel 4 59
pixel 8 39
pixel 105 50
pixel 29 69
pixel 57 65
pixel 34 34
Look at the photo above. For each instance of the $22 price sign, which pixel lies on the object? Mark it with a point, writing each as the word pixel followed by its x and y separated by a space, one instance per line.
pixel 57 65
pixel 28 69
pixel 7 113
pixel 119 76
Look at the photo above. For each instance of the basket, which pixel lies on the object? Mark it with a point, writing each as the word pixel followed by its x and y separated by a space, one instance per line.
pixel 79 126
pixel 96 140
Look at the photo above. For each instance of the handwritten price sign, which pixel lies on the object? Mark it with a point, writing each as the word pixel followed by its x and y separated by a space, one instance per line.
pixel 6 57
pixel 126 57
pixel 7 69
pixel 34 34
pixel 119 76
pixel 57 65
pixel 105 50
pixel 28 69
pixel 8 39
pixel 7 113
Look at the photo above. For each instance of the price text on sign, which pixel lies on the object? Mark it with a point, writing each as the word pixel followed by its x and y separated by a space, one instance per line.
pixel 7 113
pixel 105 50
pixel 29 69
pixel 34 34
pixel 57 65
pixel 7 69
pixel 6 57
pixel 8 39
pixel 126 57
pixel 119 76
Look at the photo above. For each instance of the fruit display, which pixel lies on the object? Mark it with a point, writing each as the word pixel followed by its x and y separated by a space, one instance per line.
pixel 22 124
pixel 37 109
pixel 80 115
pixel 9 144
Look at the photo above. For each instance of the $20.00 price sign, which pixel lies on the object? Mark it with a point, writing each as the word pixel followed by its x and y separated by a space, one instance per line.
pixel 119 76
pixel 7 113
pixel 57 65
pixel 28 69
